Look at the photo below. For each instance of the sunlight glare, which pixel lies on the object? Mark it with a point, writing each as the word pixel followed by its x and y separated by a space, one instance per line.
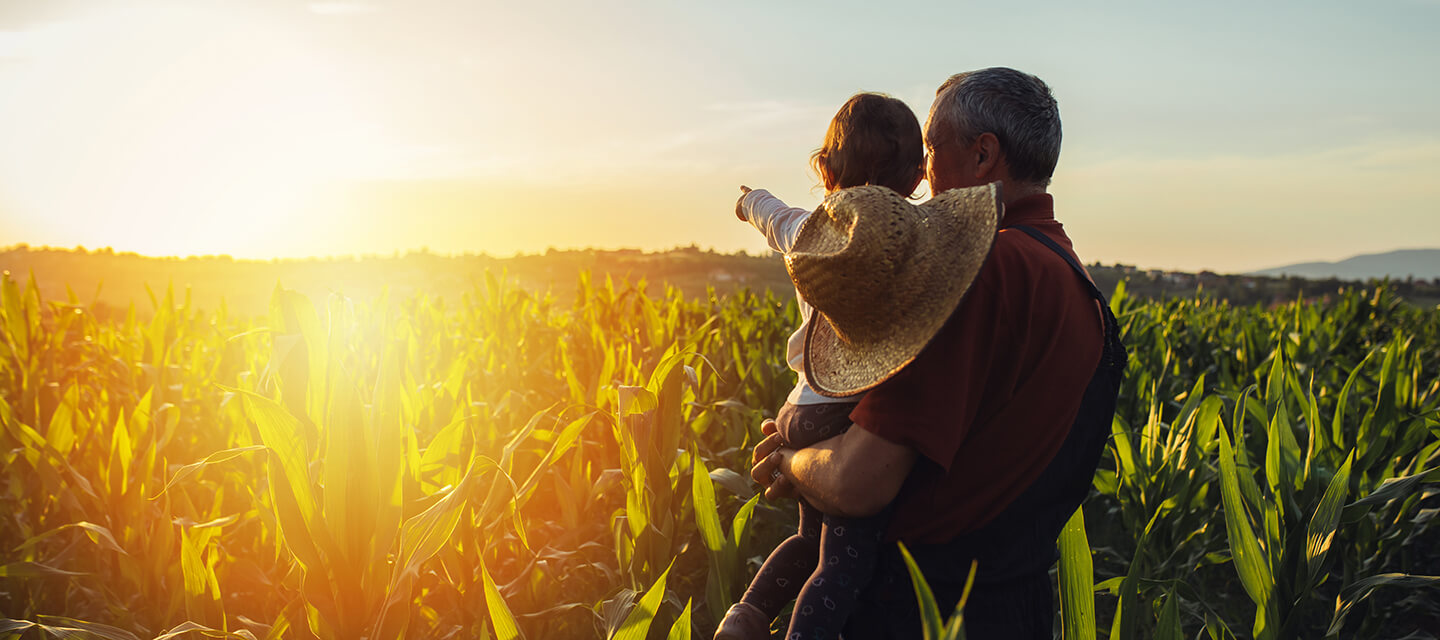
pixel 193 129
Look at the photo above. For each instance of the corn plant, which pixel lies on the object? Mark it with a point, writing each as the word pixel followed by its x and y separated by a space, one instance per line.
pixel 505 465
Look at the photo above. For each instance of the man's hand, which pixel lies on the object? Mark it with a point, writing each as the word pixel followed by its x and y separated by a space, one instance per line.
pixel 855 474
pixel 740 211
pixel 768 459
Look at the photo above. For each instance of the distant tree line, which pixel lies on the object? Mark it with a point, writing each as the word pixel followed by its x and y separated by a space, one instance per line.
pixel 120 278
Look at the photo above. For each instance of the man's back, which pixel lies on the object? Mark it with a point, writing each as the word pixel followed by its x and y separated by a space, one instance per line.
pixel 990 400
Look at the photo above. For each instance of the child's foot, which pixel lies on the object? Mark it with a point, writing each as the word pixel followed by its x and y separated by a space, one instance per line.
pixel 743 622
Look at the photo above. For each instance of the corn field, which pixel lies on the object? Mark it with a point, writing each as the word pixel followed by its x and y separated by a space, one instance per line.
pixel 504 466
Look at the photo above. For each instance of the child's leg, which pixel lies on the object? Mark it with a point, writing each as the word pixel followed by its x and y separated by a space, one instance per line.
pixel 789 565
pixel 849 548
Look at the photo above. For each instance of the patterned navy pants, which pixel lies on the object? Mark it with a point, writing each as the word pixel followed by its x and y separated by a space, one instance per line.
pixel 827 563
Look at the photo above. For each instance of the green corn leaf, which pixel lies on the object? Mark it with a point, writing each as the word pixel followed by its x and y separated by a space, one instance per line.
pixel 1320 532
pixel 1077 581
pixel 681 629
pixel 637 624
pixel 63 627
pixel 929 610
pixel 100 535
pixel 1168 626
pixel 740 524
pixel 1250 561
pixel 63 431
pixel 208 632
pixel 290 485
pixel 34 570
pixel 424 534
pixel 506 628
pixel 707 521
pixel 1361 589
pixel 1392 489
pixel 214 458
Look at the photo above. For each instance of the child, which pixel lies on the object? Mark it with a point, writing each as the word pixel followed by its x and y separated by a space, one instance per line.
pixel 873 140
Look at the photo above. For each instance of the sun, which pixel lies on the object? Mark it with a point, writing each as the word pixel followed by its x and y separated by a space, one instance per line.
pixel 177 131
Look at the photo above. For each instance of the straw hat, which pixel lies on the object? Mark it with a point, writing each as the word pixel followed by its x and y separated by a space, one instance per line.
pixel 884 276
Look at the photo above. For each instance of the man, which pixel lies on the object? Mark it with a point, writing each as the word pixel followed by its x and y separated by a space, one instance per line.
pixel 984 444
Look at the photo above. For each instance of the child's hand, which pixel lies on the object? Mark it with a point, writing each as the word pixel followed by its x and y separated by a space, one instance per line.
pixel 740 211
pixel 767 460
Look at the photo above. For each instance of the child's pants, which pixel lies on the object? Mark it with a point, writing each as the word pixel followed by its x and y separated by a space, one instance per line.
pixel 830 559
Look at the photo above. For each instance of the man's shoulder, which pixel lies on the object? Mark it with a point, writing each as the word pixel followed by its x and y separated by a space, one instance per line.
pixel 1017 254
pixel 1013 257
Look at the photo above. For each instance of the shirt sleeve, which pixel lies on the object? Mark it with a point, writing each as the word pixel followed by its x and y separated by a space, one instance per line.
pixel 931 404
pixel 780 223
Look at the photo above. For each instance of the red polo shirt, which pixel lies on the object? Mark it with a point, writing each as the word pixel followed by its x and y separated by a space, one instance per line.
pixel 990 400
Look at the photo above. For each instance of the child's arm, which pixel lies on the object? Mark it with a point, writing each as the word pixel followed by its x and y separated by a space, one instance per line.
pixel 780 223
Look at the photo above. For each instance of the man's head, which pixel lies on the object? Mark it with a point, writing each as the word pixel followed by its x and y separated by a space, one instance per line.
pixel 993 124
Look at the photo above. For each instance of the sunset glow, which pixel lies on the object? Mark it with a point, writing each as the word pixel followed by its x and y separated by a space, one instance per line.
pixel 343 128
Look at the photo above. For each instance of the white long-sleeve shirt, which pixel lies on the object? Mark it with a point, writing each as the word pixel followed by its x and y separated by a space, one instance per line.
pixel 780 224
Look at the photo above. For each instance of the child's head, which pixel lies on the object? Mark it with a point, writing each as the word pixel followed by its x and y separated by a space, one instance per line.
pixel 873 139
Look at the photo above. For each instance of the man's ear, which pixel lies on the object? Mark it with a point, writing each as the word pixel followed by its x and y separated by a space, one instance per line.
pixel 988 157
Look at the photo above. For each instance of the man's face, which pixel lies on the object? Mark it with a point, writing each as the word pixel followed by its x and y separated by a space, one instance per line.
pixel 948 163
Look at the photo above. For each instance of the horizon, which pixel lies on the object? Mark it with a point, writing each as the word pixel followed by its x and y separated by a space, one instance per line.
pixel 1194 140
pixel 742 252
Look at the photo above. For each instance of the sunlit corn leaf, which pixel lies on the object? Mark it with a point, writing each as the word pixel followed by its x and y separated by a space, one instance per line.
pixel 1077 580
pixel 1321 529
pixel 62 627
pixel 1392 489
pixel 200 597
pixel 681 629
pixel 34 570
pixel 214 458
pixel 740 524
pixel 423 535
pixel 290 483
pixel 738 485
pixel 1357 591
pixel 187 627
pixel 100 535
pixel 637 623
pixel 216 522
pixel 500 617
pixel 1251 563
pixel 62 433
pixel 707 520
pixel 929 610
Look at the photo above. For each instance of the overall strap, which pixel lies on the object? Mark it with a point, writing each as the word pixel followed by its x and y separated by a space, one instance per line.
pixel 1114 354
pixel 1045 240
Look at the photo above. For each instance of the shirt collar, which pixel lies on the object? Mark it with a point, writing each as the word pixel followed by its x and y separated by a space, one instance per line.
pixel 1029 210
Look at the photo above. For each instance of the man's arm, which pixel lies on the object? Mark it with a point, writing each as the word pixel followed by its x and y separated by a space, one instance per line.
pixel 854 474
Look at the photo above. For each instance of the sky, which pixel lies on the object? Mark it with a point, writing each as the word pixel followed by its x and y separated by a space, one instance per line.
pixel 1228 136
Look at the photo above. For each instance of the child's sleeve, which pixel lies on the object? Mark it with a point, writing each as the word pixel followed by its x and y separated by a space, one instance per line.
pixel 779 222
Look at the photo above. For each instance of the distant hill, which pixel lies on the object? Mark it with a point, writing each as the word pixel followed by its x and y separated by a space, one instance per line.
pixel 1398 265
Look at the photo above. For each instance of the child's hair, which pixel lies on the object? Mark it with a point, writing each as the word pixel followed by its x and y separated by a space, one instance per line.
pixel 873 139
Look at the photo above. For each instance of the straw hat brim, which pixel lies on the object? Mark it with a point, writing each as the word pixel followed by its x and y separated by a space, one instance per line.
pixel 961 229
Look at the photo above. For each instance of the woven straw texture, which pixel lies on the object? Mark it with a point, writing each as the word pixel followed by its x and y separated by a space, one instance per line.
pixel 884 275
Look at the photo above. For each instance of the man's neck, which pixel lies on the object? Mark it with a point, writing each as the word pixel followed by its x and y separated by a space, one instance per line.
pixel 1013 191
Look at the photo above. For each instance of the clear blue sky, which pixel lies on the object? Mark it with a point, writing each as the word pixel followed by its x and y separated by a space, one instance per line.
pixel 1221 135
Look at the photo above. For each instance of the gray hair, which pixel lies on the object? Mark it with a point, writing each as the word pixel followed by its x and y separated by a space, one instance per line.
pixel 1014 106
